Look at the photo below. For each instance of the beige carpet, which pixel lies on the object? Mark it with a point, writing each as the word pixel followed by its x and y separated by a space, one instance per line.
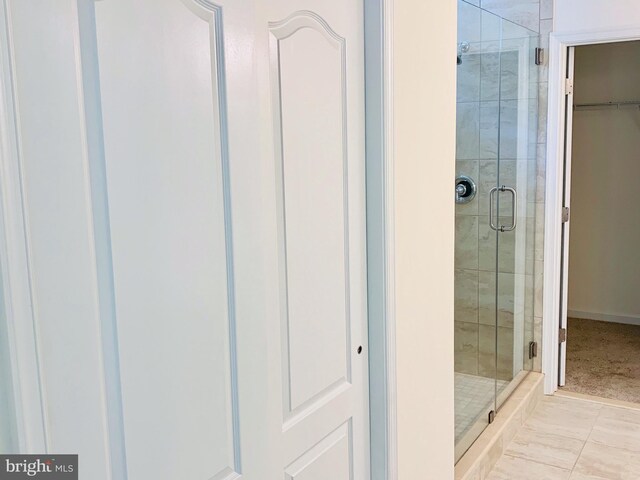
pixel 603 359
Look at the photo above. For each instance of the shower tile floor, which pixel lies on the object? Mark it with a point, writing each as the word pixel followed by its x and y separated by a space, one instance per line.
pixel 473 399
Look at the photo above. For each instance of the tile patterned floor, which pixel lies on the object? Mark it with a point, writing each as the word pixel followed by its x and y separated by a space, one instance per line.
pixel 571 439
pixel 473 399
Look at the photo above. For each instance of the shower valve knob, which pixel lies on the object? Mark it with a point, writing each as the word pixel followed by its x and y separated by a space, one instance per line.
pixel 465 189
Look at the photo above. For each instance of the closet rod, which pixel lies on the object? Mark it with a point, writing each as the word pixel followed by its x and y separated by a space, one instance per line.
pixel 607 104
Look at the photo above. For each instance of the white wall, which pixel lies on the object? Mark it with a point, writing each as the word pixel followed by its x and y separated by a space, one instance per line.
pixel 581 15
pixel 424 94
pixel 604 258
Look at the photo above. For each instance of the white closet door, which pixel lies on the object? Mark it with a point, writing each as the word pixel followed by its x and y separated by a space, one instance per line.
pixel 219 186
pixel 316 83
pixel 163 97
pixel 566 226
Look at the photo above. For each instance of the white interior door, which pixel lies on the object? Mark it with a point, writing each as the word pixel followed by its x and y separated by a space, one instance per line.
pixel 213 158
pixel 317 84
pixel 564 284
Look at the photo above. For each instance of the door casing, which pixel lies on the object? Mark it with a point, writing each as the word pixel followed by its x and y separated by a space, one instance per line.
pixel 555 269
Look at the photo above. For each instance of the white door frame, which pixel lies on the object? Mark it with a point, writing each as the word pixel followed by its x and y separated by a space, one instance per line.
pixel 30 400
pixel 553 266
pixel 380 238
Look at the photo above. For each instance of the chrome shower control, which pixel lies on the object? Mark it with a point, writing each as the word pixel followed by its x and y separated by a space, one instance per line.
pixel 465 189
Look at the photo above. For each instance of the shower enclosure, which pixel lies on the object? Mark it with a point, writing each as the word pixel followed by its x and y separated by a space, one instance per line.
pixel 497 109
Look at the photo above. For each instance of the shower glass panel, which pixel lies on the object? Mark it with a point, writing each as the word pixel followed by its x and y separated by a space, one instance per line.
pixel 517 155
pixel 496 152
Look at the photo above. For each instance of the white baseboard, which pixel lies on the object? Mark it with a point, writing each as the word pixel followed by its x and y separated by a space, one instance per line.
pixel 605 317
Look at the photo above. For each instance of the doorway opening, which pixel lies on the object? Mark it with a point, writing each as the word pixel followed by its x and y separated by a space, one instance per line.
pixel 603 234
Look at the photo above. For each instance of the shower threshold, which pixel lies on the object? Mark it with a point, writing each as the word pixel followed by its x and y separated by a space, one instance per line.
pixel 474 399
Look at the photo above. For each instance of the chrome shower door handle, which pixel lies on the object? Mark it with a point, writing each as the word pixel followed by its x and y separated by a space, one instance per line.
pixel 514 209
pixel 491 193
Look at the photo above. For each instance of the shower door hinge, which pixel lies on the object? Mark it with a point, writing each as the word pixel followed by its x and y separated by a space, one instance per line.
pixel 562 336
pixel 568 86
pixel 565 214
pixel 492 416
pixel 533 349
pixel 539 56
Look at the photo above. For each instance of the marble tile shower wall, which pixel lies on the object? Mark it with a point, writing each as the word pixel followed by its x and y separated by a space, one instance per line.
pixel 488 90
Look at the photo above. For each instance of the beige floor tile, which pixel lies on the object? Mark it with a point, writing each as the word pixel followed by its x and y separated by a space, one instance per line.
pixel 624 414
pixel 611 402
pixel 514 468
pixel 617 427
pixel 582 476
pixel 602 462
pixel 573 439
pixel 564 417
pixel 546 448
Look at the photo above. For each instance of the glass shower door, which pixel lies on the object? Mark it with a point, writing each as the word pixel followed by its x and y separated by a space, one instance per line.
pixel 515 200
pixel 495 204
pixel 478 93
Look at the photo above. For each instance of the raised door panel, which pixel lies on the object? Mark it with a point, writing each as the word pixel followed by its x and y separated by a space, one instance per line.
pixel 42 68
pixel 162 95
pixel 318 124
pixel 309 75
pixel 331 458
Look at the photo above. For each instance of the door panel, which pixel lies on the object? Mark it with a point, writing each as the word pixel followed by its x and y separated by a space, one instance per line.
pixel 316 75
pixel 170 237
pixel 227 141
pixel 330 458
pixel 58 227
pixel 308 92
pixel 566 226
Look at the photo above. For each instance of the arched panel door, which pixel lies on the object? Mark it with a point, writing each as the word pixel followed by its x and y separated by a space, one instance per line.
pixel 215 152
